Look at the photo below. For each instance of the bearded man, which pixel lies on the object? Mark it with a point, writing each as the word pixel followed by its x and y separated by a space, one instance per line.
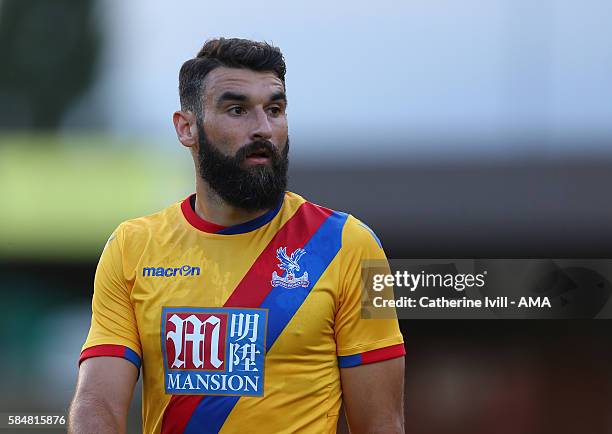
pixel 241 303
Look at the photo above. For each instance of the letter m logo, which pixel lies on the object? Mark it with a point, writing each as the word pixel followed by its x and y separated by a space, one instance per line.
pixel 195 341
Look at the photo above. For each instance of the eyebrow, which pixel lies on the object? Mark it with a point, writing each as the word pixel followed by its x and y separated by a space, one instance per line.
pixel 279 96
pixel 232 96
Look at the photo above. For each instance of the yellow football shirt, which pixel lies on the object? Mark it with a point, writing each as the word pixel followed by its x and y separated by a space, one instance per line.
pixel 234 324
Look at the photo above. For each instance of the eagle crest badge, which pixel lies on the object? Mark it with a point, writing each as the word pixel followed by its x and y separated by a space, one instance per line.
pixel 290 265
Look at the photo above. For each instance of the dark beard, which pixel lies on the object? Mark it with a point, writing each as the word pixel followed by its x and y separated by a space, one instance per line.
pixel 252 188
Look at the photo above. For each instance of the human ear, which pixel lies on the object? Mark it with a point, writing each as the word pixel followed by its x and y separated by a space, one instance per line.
pixel 186 129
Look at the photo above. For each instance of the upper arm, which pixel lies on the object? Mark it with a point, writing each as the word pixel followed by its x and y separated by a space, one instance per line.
pixel 103 394
pixel 370 351
pixel 114 330
pixel 373 396
pixel 111 356
pixel 359 340
pixel 107 382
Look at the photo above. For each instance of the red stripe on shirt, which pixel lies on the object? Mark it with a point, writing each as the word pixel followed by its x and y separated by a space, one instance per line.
pixel 103 350
pixel 178 412
pixel 255 285
pixel 250 292
pixel 383 354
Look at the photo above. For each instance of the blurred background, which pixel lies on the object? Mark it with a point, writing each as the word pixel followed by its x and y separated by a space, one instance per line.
pixel 454 129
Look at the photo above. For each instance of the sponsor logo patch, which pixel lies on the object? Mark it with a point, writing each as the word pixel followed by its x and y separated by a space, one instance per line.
pixel 185 270
pixel 214 351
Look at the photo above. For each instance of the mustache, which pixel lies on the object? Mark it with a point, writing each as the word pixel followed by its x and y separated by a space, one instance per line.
pixel 258 146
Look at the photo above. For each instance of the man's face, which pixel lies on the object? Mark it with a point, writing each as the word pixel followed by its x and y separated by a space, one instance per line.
pixel 243 140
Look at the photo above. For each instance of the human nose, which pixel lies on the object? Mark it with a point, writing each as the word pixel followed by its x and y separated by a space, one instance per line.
pixel 262 129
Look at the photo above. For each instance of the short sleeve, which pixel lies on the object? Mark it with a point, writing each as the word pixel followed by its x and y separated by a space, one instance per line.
pixel 358 340
pixel 113 330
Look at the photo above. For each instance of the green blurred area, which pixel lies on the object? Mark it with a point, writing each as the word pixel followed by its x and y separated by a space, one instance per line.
pixel 63 195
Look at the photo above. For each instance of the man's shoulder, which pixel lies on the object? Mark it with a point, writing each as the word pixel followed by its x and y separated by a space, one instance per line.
pixel 355 233
pixel 295 201
pixel 147 225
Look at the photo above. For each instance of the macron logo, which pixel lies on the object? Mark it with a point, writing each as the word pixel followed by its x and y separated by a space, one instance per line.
pixel 185 270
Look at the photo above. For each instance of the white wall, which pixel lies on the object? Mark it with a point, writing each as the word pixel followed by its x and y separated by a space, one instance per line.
pixel 364 73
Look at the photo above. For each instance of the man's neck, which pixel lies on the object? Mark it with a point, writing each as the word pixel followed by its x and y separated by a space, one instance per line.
pixel 210 207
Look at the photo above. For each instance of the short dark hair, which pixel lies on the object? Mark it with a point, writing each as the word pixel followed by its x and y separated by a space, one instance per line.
pixel 232 53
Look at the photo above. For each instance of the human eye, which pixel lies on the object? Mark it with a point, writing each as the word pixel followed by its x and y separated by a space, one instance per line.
pixel 236 110
pixel 275 110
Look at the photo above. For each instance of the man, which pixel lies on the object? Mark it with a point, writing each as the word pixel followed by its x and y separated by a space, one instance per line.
pixel 242 302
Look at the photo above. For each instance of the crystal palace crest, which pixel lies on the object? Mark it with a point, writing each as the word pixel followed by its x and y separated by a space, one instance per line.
pixel 290 265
